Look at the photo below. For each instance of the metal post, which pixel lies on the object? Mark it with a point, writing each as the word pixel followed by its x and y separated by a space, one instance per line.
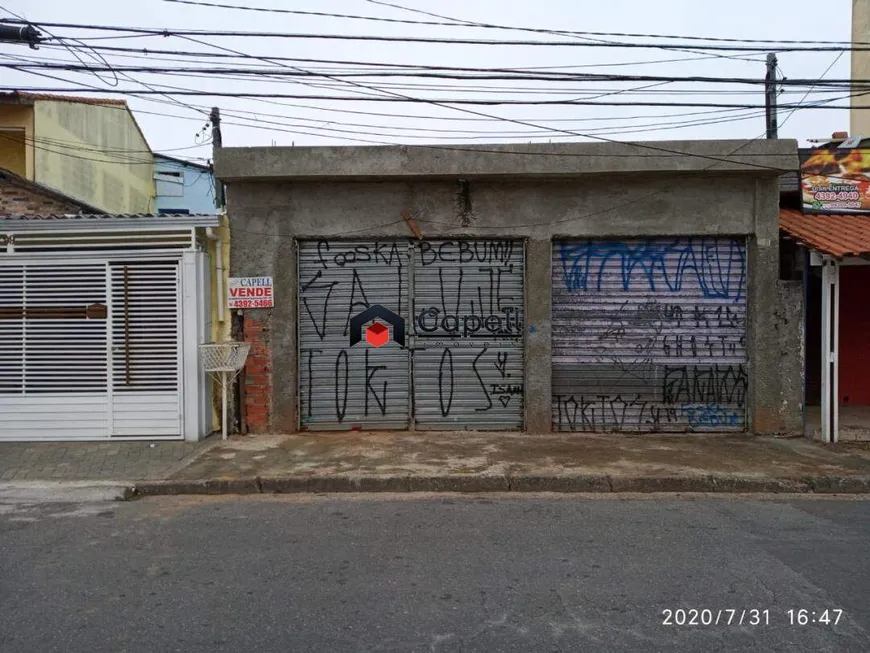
pixel 830 347
pixel 223 405
pixel 770 97
pixel 216 144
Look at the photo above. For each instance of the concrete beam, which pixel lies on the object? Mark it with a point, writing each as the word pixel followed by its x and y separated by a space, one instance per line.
pixel 544 160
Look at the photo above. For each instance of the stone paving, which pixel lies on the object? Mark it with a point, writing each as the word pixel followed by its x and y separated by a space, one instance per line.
pixel 103 461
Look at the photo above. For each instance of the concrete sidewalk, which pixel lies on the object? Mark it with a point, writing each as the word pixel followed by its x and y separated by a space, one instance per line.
pixel 477 462
pixel 96 461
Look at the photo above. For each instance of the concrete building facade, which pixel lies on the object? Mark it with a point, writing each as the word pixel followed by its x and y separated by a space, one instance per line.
pixel 572 287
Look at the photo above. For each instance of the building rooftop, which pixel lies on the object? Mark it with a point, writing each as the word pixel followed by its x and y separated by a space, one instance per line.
pixel 553 160
pixel 26 97
pixel 837 235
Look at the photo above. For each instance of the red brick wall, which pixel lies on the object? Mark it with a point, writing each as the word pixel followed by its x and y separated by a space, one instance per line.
pixel 258 375
pixel 20 201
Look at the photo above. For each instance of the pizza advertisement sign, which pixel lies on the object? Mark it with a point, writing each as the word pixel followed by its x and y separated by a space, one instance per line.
pixel 835 180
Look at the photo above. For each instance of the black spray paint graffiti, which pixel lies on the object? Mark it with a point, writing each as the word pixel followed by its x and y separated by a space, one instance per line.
pixel 386 253
pixel 490 312
pixel 606 413
pixel 381 401
pixel 696 397
pixel 452 251
pixel 716 384
pixel 348 279
pixel 486 360
pixel 479 302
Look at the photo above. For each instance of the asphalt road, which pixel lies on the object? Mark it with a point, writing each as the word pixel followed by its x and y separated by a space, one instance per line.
pixel 435 573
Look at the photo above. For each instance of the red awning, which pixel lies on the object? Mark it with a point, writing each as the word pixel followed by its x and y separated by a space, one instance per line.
pixel 836 235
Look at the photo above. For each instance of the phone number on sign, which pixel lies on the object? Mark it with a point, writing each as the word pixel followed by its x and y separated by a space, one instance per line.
pixel 251 303
pixel 748 617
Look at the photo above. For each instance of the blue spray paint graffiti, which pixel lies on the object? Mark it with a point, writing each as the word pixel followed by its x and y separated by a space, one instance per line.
pixel 711 415
pixel 673 263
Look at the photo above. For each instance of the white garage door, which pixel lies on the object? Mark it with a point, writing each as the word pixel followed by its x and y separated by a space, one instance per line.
pixel 89 349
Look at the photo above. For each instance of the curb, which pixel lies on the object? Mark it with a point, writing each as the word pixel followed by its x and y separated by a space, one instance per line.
pixel 498 483
pixel 65 491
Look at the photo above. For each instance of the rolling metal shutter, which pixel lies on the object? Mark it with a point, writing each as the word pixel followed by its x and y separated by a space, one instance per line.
pixel 649 335
pixel 344 386
pixel 468 334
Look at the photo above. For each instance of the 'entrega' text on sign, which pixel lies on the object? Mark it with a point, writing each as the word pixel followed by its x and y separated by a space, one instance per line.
pixel 250 292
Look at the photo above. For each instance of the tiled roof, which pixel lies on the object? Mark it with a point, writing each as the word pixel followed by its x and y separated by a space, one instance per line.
pixel 106 216
pixel 24 95
pixel 836 235
pixel 16 224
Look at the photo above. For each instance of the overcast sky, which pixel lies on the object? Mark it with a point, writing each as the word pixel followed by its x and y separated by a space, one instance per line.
pixel 305 122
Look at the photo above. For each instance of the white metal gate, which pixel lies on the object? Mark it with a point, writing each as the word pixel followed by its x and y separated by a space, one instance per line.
pixel 649 335
pixel 146 348
pixel 468 334
pixel 89 349
pixel 345 384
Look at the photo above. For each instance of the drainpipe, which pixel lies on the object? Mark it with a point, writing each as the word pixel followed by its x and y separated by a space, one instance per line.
pixel 219 267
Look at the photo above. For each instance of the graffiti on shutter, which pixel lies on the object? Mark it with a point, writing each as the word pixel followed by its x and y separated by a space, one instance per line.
pixel 351 373
pixel 468 329
pixel 649 335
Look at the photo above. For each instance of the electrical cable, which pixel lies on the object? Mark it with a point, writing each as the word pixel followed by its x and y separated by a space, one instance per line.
pixel 145 52
pixel 165 32
pixel 457 23
pixel 587 215
pixel 96 56
pixel 31 142
pixel 433 101
pixel 554 77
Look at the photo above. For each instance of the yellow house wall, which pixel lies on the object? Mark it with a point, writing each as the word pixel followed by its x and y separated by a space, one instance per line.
pixel 69 137
pixel 17 117
pixel 220 331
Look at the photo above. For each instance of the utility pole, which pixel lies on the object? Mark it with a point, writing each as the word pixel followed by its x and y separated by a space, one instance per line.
pixel 770 97
pixel 216 144
pixel 20 34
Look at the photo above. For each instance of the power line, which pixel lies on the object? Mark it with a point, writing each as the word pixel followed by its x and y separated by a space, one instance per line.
pixel 394 115
pixel 452 106
pixel 457 23
pixel 475 113
pixel 556 77
pixel 145 52
pixel 436 101
pixel 165 32
pixel 512 120
pixel 75 156
pixel 656 126
pixel 827 70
